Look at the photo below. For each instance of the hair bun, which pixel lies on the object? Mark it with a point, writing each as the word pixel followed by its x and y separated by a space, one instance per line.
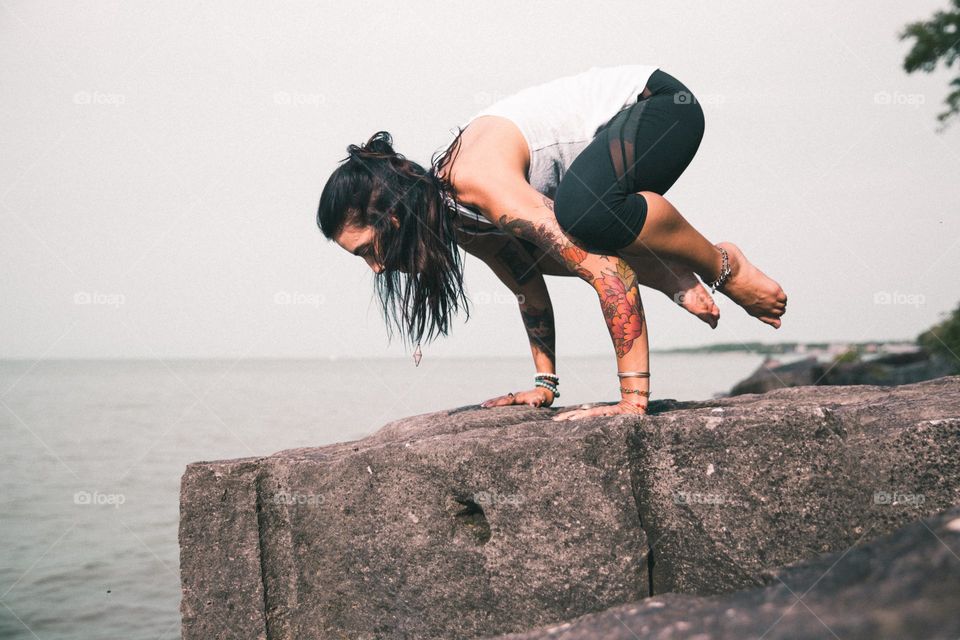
pixel 379 145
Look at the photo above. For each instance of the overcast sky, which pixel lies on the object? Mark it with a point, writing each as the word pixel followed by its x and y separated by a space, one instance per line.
pixel 161 165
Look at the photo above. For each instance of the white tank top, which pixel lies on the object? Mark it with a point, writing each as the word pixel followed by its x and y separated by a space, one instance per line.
pixel 559 118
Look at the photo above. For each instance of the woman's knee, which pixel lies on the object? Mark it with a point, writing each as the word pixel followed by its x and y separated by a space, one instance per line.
pixel 659 213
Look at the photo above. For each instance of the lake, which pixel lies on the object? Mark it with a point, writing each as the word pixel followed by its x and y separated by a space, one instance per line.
pixel 93 452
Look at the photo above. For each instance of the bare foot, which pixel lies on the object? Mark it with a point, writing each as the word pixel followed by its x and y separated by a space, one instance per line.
pixel 694 297
pixel 760 296
pixel 679 284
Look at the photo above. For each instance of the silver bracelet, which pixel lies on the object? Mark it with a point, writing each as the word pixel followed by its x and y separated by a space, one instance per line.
pixel 633 374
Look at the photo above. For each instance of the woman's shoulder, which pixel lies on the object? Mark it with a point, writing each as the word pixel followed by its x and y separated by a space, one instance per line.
pixel 492 149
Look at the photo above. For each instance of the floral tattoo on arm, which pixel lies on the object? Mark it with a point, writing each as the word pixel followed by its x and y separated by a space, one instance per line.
pixel 615 283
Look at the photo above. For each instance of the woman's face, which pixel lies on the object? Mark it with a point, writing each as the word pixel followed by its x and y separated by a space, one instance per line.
pixel 360 241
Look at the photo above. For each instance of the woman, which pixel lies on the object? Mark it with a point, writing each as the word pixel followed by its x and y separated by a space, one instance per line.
pixel 563 178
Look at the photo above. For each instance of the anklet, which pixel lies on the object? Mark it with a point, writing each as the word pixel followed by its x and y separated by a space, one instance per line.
pixel 724 272
pixel 633 374
pixel 637 391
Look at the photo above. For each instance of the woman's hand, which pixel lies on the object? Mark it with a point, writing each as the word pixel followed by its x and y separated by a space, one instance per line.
pixel 623 406
pixel 536 397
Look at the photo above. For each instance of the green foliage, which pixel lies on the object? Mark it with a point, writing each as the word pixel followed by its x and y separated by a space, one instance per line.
pixel 944 338
pixel 936 38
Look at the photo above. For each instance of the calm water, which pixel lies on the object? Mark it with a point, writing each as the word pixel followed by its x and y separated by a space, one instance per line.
pixel 93 451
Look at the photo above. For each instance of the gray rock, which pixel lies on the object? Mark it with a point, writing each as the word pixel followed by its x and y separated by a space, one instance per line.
pixel 447 524
pixel 902 585
pixel 886 370
pixel 744 484
pixel 477 522
pixel 890 369
pixel 804 372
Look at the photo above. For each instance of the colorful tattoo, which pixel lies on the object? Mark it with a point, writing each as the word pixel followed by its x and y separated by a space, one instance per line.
pixel 616 284
pixel 620 300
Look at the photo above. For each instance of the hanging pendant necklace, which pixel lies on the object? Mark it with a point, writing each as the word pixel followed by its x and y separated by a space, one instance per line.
pixel 417 355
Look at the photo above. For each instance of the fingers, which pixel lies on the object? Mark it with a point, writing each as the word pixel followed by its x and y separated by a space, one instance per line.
pixel 499 401
pixel 530 398
pixel 581 413
pixel 578 414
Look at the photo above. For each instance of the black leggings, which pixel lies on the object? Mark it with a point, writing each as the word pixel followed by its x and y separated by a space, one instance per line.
pixel 644 147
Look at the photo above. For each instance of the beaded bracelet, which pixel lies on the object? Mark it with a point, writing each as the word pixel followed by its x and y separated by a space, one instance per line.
pixel 637 391
pixel 547 385
pixel 548 381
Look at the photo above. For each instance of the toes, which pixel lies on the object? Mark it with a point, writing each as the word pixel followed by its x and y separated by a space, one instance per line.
pixel 770 320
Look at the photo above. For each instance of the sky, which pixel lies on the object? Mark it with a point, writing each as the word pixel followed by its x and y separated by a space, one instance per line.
pixel 162 162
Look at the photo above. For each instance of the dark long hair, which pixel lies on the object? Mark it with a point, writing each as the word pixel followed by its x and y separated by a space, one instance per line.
pixel 421 285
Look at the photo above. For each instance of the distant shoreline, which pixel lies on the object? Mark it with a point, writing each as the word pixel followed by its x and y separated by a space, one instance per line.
pixel 800 348
pixel 756 348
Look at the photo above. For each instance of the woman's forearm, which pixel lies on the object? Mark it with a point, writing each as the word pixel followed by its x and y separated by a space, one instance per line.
pixel 516 207
pixel 510 260
pixel 616 286
pixel 538 320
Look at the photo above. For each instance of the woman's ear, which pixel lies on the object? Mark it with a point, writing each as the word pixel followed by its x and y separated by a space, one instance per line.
pixel 395 220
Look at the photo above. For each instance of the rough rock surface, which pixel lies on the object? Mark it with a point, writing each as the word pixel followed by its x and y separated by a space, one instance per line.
pixel 903 585
pixel 448 524
pixel 477 522
pixel 753 482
